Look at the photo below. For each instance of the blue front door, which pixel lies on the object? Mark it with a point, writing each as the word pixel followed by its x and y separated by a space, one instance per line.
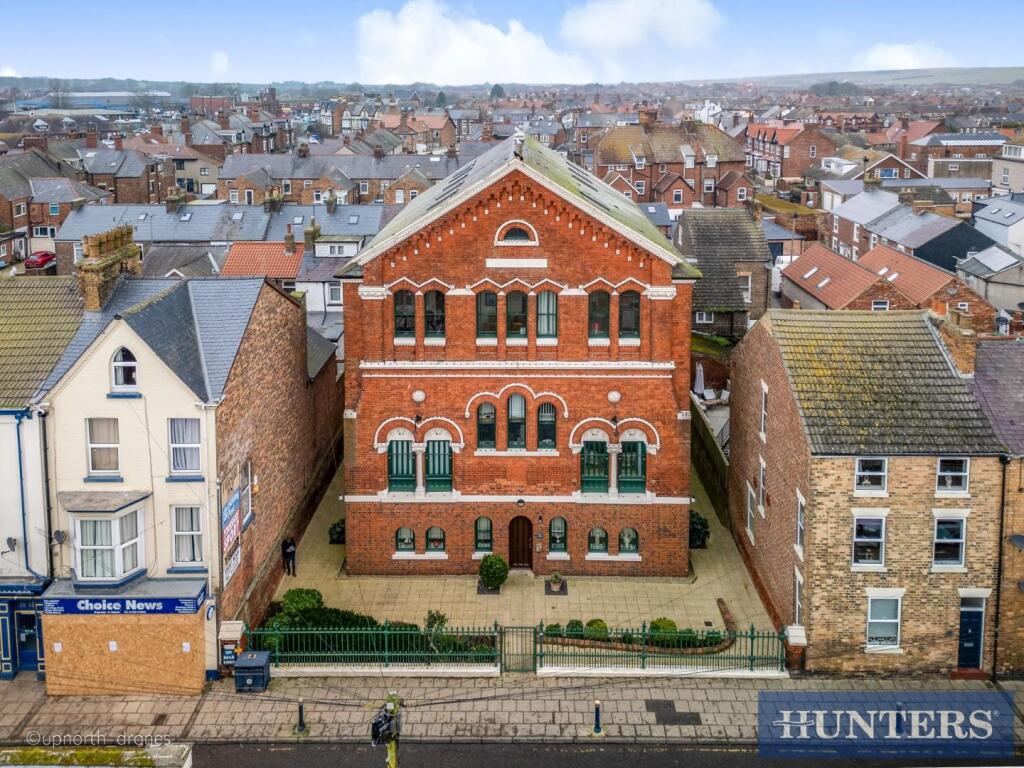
pixel 26 640
pixel 971 624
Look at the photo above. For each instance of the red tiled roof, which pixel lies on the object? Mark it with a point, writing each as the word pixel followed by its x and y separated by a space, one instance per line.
pixel 917 279
pixel 259 259
pixel 833 280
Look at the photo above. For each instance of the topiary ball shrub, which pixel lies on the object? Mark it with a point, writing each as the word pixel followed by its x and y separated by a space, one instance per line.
pixel 596 629
pixel 663 631
pixel 296 600
pixel 493 571
pixel 553 630
pixel 574 628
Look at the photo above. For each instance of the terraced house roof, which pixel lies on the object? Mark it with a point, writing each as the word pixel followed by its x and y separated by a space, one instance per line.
pixel 38 318
pixel 878 384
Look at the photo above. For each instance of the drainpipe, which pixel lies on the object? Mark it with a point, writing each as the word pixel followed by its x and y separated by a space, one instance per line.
pixel 20 416
pixel 1004 459
pixel 46 490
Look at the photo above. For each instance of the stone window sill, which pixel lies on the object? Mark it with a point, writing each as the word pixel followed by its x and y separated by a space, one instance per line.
pixel 868 568
pixel 952 495
pixel 949 569
pixel 799 551
pixel 629 342
pixel 870 494
pixel 627 557
pixel 419 556
pixel 598 342
pixel 516 341
pixel 558 556
pixel 547 342
pixel 481 554
pixel 404 341
pixel 516 452
pixel 435 341
pixel 486 341
pixel 884 649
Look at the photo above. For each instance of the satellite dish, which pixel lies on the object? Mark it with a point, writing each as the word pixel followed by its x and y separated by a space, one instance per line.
pixel 60 537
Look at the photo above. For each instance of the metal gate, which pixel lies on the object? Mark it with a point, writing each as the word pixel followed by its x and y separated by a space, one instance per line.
pixel 518 649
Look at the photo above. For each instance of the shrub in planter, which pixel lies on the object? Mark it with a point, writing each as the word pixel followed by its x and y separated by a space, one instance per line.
pixel 553 630
pixel 596 629
pixel 712 638
pixel 627 638
pixel 687 638
pixel 557 582
pixel 574 628
pixel 493 571
pixel 663 631
pixel 337 532
pixel 700 531
pixel 296 600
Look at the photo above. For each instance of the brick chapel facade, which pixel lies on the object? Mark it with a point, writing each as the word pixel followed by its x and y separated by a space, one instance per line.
pixel 516 373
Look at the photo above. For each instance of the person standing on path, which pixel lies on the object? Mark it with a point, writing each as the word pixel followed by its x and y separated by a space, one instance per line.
pixel 288 553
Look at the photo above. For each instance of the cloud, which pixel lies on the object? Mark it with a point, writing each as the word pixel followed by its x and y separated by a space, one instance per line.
pixel 603 26
pixel 428 41
pixel 919 55
pixel 219 63
pixel 8 72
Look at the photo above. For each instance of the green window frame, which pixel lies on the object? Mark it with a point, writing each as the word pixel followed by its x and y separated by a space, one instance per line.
pixel 433 314
pixel 632 469
pixel 546 418
pixel 483 535
pixel 629 315
pixel 598 312
pixel 401 466
pixel 515 315
pixel 405 314
pixel 597 540
pixel 629 541
pixel 516 421
pixel 486 423
pixel 487 315
pixel 547 315
pixel 405 540
pixel 558 535
pixel 435 539
pixel 594 466
pixel 439 466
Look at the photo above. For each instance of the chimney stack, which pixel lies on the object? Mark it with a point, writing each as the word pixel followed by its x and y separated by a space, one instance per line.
pixel 223 120
pixel 91 140
pixel 289 240
pixel 157 130
pixel 378 152
pixel 173 200
pixel 488 131
pixel 311 234
pixel 303 150
pixel 452 151
pixel 118 142
pixel 331 201
pixel 956 331
pixel 106 257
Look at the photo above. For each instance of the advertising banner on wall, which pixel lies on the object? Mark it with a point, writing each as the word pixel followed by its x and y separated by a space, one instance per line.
pixel 230 524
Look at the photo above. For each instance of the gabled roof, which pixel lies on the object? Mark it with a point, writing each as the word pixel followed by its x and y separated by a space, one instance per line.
pixel 262 259
pixel 1004 214
pixel 184 261
pixel 990 262
pixel 917 279
pixel 549 169
pixel 833 280
pixel 867 206
pixel 980 139
pixel 62 190
pixel 195 326
pixel 17 171
pixel 912 229
pixel 38 318
pixel 659 143
pixel 998 373
pixel 877 384
pixel 191 223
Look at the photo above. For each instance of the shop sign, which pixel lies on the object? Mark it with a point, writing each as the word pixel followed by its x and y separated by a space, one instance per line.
pixel 230 521
pixel 123 605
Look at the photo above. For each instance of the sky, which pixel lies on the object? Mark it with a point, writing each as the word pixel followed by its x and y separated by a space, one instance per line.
pixel 449 42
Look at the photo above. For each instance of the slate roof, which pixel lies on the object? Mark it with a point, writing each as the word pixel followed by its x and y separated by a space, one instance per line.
pixel 351 221
pixel 867 206
pixel 390 167
pixel 17 170
pixel 62 190
pixel 318 352
pixel 186 260
pixel 1005 213
pixel 912 230
pixel 152 223
pixel 980 139
pixel 999 370
pixel 989 262
pixel 38 318
pixel 878 384
pixel 833 280
pixel 195 326
pixel 773 231
pixel 573 183
pixel 717 238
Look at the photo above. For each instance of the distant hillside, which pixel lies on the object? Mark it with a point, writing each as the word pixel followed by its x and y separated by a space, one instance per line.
pixel 902 77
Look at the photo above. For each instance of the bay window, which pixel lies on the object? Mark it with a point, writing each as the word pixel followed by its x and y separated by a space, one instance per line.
pixel 108 548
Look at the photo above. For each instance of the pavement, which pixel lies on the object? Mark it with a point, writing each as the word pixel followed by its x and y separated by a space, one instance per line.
pixel 718 571
pixel 513 708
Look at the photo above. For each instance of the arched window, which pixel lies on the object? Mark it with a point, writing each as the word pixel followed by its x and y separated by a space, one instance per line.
pixel 487 314
pixel 558 534
pixel 597 314
pixel 597 541
pixel 628 541
pixel 547 315
pixel 405 540
pixel 401 466
pixel 483 535
pixel 517 421
pixel 124 370
pixel 439 466
pixel 632 467
pixel 485 418
pixel 629 315
pixel 546 425
pixel 594 466
pixel 435 539
pixel 405 314
pixel 515 235
pixel 433 310
pixel 515 312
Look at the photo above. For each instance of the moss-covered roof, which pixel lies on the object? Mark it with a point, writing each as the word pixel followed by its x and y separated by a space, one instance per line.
pixel 38 318
pixel 878 383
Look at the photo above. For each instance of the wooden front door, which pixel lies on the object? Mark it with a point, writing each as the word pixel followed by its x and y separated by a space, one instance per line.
pixel 520 542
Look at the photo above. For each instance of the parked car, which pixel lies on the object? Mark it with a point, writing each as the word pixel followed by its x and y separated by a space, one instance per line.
pixel 40 260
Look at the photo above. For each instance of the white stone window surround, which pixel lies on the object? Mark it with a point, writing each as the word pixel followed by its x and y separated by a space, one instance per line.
pixel 892 593
pixel 516 224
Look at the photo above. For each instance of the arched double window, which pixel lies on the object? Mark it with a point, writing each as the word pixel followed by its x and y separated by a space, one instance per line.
pixel 632 467
pixel 515 315
pixel 438 466
pixel 629 315
pixel 401 466
pixel 485 423
pixel 547 315
pixel 597 541
pixel 483 535
pixel 558 534
pixel 629 542
pixel 124 372
pixel 486 314
pixel 405 314
pixel 546 416
pixel 516 421
pixel 405 540
pixel 433 310
pixel 594 466
pixel 598 309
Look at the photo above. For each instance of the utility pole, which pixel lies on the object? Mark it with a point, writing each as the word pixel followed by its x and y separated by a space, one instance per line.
pixel 386 726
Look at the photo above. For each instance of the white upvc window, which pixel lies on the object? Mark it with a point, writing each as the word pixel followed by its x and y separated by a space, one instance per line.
pixel 334 292
pixel 704 318
pixel 318 197
pixel 677 196
pixel 835 224
pixel 711 161
pixel 762 481
pixel 884 610
pixel 741 194
pixel 869 539
pixel 745 287
pixel 364 187
pixel 77 252
pixel 798 598
pixel 751 503
pixel 871 476
pixel 233 196
pixel 880 305
pixel 19 209
pixel 188 535
pixel 286 186
pixel 110 547
pixel 763 434
pixel 813 151
pixel 953 476
pixel 103 446
pixel 185 446
pixel 641 186
pixel 399 196
pixel 801 524
pixel 949 540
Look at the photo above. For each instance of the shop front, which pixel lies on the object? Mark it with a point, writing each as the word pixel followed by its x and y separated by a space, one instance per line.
pixel 21 643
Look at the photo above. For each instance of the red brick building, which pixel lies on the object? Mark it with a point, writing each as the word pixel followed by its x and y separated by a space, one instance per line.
pixel 517 372
pixel 786 151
